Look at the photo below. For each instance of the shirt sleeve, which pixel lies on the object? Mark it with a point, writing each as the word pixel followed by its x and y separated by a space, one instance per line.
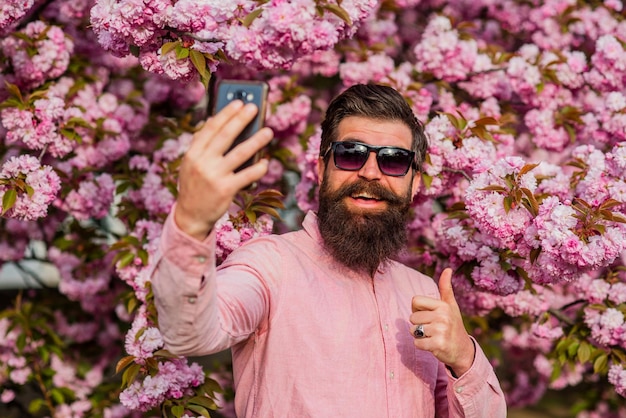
pixel 200 310
pixel 477 393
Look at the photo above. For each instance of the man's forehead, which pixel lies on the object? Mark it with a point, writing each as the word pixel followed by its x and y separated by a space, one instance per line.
pixel 374 131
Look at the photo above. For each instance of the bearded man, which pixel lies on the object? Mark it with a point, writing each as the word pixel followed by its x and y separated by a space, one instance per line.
pixel 321 322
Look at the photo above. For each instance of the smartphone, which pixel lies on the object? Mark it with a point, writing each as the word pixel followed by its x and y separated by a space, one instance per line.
pixel 248 91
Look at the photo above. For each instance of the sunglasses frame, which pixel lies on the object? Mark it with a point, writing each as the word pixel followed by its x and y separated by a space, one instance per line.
pixel 376 149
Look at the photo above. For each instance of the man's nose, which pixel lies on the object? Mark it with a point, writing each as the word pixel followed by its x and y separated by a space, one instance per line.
pixel 370 170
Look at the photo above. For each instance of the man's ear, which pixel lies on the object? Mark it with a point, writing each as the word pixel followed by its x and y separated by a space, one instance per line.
pixel 321 167
pixel 417 179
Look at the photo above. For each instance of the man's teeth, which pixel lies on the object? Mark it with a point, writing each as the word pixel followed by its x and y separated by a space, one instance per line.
pixel 365 196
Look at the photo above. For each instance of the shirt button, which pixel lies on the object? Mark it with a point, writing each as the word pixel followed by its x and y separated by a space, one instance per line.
pixel 386 327
pixel 191 300
pixel 459 389
pixel 200 259
pixel 391 375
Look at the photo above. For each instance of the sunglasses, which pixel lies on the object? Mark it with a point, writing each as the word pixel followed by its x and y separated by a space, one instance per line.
pixel 392 161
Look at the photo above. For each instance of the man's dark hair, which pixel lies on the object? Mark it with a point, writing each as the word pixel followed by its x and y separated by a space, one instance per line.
pixel 376 102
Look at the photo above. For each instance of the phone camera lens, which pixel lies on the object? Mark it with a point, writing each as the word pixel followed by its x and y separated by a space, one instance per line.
pixel 241 95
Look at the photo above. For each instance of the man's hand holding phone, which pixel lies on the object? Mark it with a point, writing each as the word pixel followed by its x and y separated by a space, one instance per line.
pixel 208 180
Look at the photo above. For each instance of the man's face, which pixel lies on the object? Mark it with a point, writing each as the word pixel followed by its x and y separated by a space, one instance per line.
pixel 372 132
pixel 363 213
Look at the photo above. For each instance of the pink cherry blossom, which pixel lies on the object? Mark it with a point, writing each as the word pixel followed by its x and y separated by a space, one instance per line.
pixel 42 180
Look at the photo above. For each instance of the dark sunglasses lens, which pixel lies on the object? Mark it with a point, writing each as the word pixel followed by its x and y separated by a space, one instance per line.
pixel 350 156
pixel 394 161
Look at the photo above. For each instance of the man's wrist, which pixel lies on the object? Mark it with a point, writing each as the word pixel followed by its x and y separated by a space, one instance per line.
pixel 462 368
pixel 197 230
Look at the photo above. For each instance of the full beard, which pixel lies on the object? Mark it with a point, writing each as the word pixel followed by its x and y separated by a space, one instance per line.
pixel 363 240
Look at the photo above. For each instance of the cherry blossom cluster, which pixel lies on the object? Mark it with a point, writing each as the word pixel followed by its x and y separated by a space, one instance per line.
pixel 41 52
pixel 231 233
pixel 173 380
pixel 444 54
pixel 33 185
pixel 11 11
pixel 617 376
pixel 265 35
pixel 14 368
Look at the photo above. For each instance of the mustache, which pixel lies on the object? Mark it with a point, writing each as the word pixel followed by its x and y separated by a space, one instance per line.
pixel 372 188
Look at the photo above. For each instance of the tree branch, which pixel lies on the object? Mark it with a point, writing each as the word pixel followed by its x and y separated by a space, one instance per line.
pixel 461 172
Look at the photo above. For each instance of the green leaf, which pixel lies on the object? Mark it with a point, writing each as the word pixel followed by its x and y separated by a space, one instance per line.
pixel 621 356
pixel 486 121
pixel 199 410
pixel 211 386
pixel 198 61
pixel 540 87
pixel 178 411
pixel 122 187
pixel 132 240
pixel 532 201
pixel 427 180
pixel 482 133
pixel 35 405
pixel 12 102
pixel 44 354
pixel 130 374
pixel 527 168
pixel 266 209
pixel 132 305
pixel 618 218
pixel 494 188
pixel 571 132
pixel 126 259
pixel 560 346
pixel 143 256
pixel 169 46
pixel 56 350
pixel 14 91
pixel 556 372
pixel 251 215
pixel 221 56
pixel 71 135
pixel 52 334
pixel 203 401
pixel 573 348
pixel 247 21
pixel 610 203
pixel 339 12
pixel 181 52
pixel 123 363
pixel 164 353
pixel 600 365
pixel 140 333
pixel 76 121
pixel 455 122
pixel 57 395
pixel 584 352
pixel 8 200
pixel 20 342
pixel 601 229
pixel 152 364
pixel 508 203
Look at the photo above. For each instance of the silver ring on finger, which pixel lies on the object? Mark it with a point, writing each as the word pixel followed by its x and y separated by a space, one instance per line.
pixel 419 331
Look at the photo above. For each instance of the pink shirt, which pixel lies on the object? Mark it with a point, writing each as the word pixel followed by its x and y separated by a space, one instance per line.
pixel 309 337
